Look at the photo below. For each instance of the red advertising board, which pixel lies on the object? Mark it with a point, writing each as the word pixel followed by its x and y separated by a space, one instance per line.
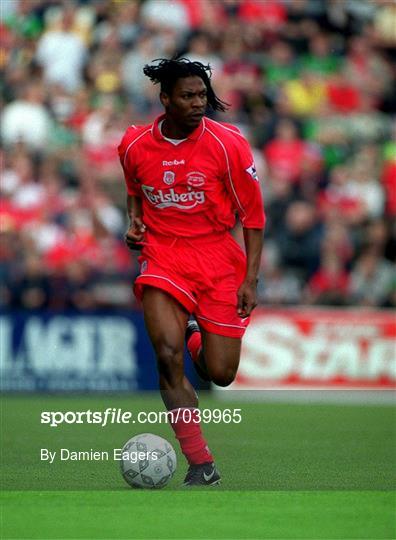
pixel 319 348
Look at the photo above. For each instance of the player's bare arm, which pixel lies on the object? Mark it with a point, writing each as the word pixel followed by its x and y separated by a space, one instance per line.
pixel 247 292
pixel 136 229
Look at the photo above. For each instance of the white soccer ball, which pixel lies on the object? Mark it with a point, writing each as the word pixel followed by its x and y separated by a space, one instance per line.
pixel 148 461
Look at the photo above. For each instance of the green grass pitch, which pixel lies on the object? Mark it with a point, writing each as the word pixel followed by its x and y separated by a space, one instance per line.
pixel 289 471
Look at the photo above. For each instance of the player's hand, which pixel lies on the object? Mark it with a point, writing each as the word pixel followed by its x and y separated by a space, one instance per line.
pixel 135 234
pixel 247 298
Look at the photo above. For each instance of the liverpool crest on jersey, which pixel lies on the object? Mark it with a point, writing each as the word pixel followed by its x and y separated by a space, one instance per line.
pixel 169 177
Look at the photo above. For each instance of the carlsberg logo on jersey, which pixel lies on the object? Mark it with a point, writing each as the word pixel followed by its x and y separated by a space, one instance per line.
pixel 165 198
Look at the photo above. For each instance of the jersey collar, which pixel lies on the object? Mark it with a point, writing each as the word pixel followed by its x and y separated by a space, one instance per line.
pixel 194 135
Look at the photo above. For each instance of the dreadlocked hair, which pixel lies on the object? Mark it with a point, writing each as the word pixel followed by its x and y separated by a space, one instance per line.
pixel 167 72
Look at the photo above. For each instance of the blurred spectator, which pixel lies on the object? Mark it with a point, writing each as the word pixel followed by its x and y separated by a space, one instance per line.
pixel 385 23
pixel 278 285
pixel 299 239
pixel 62 53
pixel 366 188
pixel 104 67
pixel 343 96
pixel 156 14
pixel 337 241
pixel 366 68
pixel 372 279
pixel 21 18
pixel 136 84
pixel 320 57
pixel 78 111
pixel 305 95
pixel 200 50
pixel 286 152
pixel 341 199
pixel 238 74
pixel 31 291
pixel 376 236
pixel 279 194
pixel 281 65
pixel 329 285
pixel 269 15
pixel 26 120
pixel 123 18
pixel 79 286
pixel 100 133
pixel 26 197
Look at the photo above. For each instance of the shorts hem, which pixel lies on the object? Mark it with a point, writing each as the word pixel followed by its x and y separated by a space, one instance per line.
pixel 166 285
pixel 221 329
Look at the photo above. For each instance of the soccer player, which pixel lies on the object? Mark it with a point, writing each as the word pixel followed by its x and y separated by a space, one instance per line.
pixel 187 177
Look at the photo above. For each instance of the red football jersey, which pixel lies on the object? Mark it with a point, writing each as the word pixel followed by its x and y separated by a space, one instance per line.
pixel 194 187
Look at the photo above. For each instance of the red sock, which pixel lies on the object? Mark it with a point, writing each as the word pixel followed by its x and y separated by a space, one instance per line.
pixel 187 428
pixel 194 345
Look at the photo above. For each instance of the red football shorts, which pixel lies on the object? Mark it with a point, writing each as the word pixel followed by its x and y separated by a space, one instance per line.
pixel 203 274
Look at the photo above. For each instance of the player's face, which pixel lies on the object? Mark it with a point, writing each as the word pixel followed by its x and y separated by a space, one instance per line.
pixel 187 103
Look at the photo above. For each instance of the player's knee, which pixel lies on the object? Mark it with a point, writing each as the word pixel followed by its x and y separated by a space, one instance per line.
pixel 223 377
pixel 169 360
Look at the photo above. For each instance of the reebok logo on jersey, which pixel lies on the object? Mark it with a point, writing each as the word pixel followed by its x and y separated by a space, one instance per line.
pixel 173 162
pixel 167 198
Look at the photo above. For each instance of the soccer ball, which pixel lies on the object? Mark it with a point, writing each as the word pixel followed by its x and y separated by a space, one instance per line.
pixel 148 461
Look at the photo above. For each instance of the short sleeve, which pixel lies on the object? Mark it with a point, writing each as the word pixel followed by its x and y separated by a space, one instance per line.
pixel 243 185
pixel 127 162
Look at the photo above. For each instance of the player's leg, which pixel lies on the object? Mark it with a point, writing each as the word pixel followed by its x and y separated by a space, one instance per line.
pixel 166 321
pixel 216 357
pixel 193 340
pixel 221 355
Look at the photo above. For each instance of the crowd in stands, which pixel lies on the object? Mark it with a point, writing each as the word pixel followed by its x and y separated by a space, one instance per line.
pixel 310 83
